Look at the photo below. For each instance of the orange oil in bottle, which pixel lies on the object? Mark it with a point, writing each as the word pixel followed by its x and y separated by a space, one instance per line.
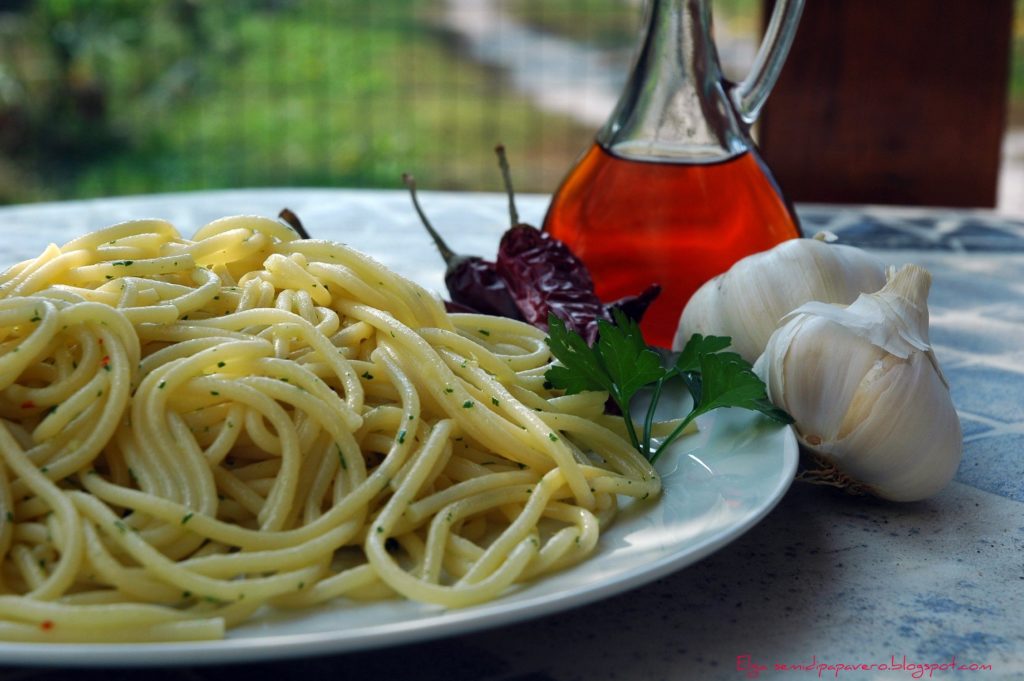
pixel 638 222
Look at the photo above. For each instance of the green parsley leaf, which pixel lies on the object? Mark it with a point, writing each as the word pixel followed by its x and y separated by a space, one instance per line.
pixel 622 364
pixel 581 368
pixel 728 381
pixel 630 364
pixel 689 358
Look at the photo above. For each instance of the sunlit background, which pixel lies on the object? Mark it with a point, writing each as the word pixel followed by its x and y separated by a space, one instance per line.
pixel 111 97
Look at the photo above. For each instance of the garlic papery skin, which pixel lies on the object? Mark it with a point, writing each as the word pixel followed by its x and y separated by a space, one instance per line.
pixel 747 302
pixel 865 389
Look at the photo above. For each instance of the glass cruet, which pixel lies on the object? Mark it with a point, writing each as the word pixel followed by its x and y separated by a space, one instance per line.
pixel 673 189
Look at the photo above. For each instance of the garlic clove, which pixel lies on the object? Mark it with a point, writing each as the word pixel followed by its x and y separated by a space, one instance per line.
pixel 747 302
pixel 865 389
pixel 901 436
pixel 903 301
pixel 816 379
pixel 896 319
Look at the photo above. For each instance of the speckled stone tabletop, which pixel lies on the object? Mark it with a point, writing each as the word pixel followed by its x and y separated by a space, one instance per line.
pixel 826 579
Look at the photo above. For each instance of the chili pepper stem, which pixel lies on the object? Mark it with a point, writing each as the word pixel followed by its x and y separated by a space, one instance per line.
pixel 292 220
pixel 506 176
pixel 447 253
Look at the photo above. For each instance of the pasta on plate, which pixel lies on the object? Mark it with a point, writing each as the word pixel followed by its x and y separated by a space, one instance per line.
pixel 194 429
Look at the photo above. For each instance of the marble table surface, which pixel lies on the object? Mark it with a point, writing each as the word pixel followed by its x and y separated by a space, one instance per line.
pixel 825 579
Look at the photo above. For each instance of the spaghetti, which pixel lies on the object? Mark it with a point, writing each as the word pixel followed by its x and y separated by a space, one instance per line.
pixel 192 430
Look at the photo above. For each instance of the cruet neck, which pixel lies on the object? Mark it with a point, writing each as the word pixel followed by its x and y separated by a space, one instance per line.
pixel 675 106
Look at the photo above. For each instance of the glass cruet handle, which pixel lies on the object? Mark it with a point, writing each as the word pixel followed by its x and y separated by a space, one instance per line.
pixel 749 96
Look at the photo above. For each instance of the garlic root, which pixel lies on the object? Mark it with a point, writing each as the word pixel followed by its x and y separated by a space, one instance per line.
pixel 828 475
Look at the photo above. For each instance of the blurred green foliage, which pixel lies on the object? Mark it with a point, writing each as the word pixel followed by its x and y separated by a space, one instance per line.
pixel 101 97
pixel 333 99
pixel 80 82
pixel 121 96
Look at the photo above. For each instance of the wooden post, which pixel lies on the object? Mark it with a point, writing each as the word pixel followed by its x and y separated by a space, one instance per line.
pixel 892 102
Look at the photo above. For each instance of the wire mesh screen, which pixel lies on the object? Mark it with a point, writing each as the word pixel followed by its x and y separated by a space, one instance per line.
pixel 107 97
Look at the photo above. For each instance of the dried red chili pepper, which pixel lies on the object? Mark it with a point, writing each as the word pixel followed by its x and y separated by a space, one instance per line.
pixel 544 276
pixel 473 283
pixel 535 274
pixel 634 307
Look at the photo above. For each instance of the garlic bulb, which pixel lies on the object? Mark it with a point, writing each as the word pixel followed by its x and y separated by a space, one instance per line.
pixel 865 389
pixel 747 302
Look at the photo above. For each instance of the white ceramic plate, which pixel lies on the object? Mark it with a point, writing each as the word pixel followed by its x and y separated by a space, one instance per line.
pixel 718 484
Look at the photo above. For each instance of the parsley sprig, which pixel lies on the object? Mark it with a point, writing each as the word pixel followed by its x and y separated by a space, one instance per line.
pixel 622 364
